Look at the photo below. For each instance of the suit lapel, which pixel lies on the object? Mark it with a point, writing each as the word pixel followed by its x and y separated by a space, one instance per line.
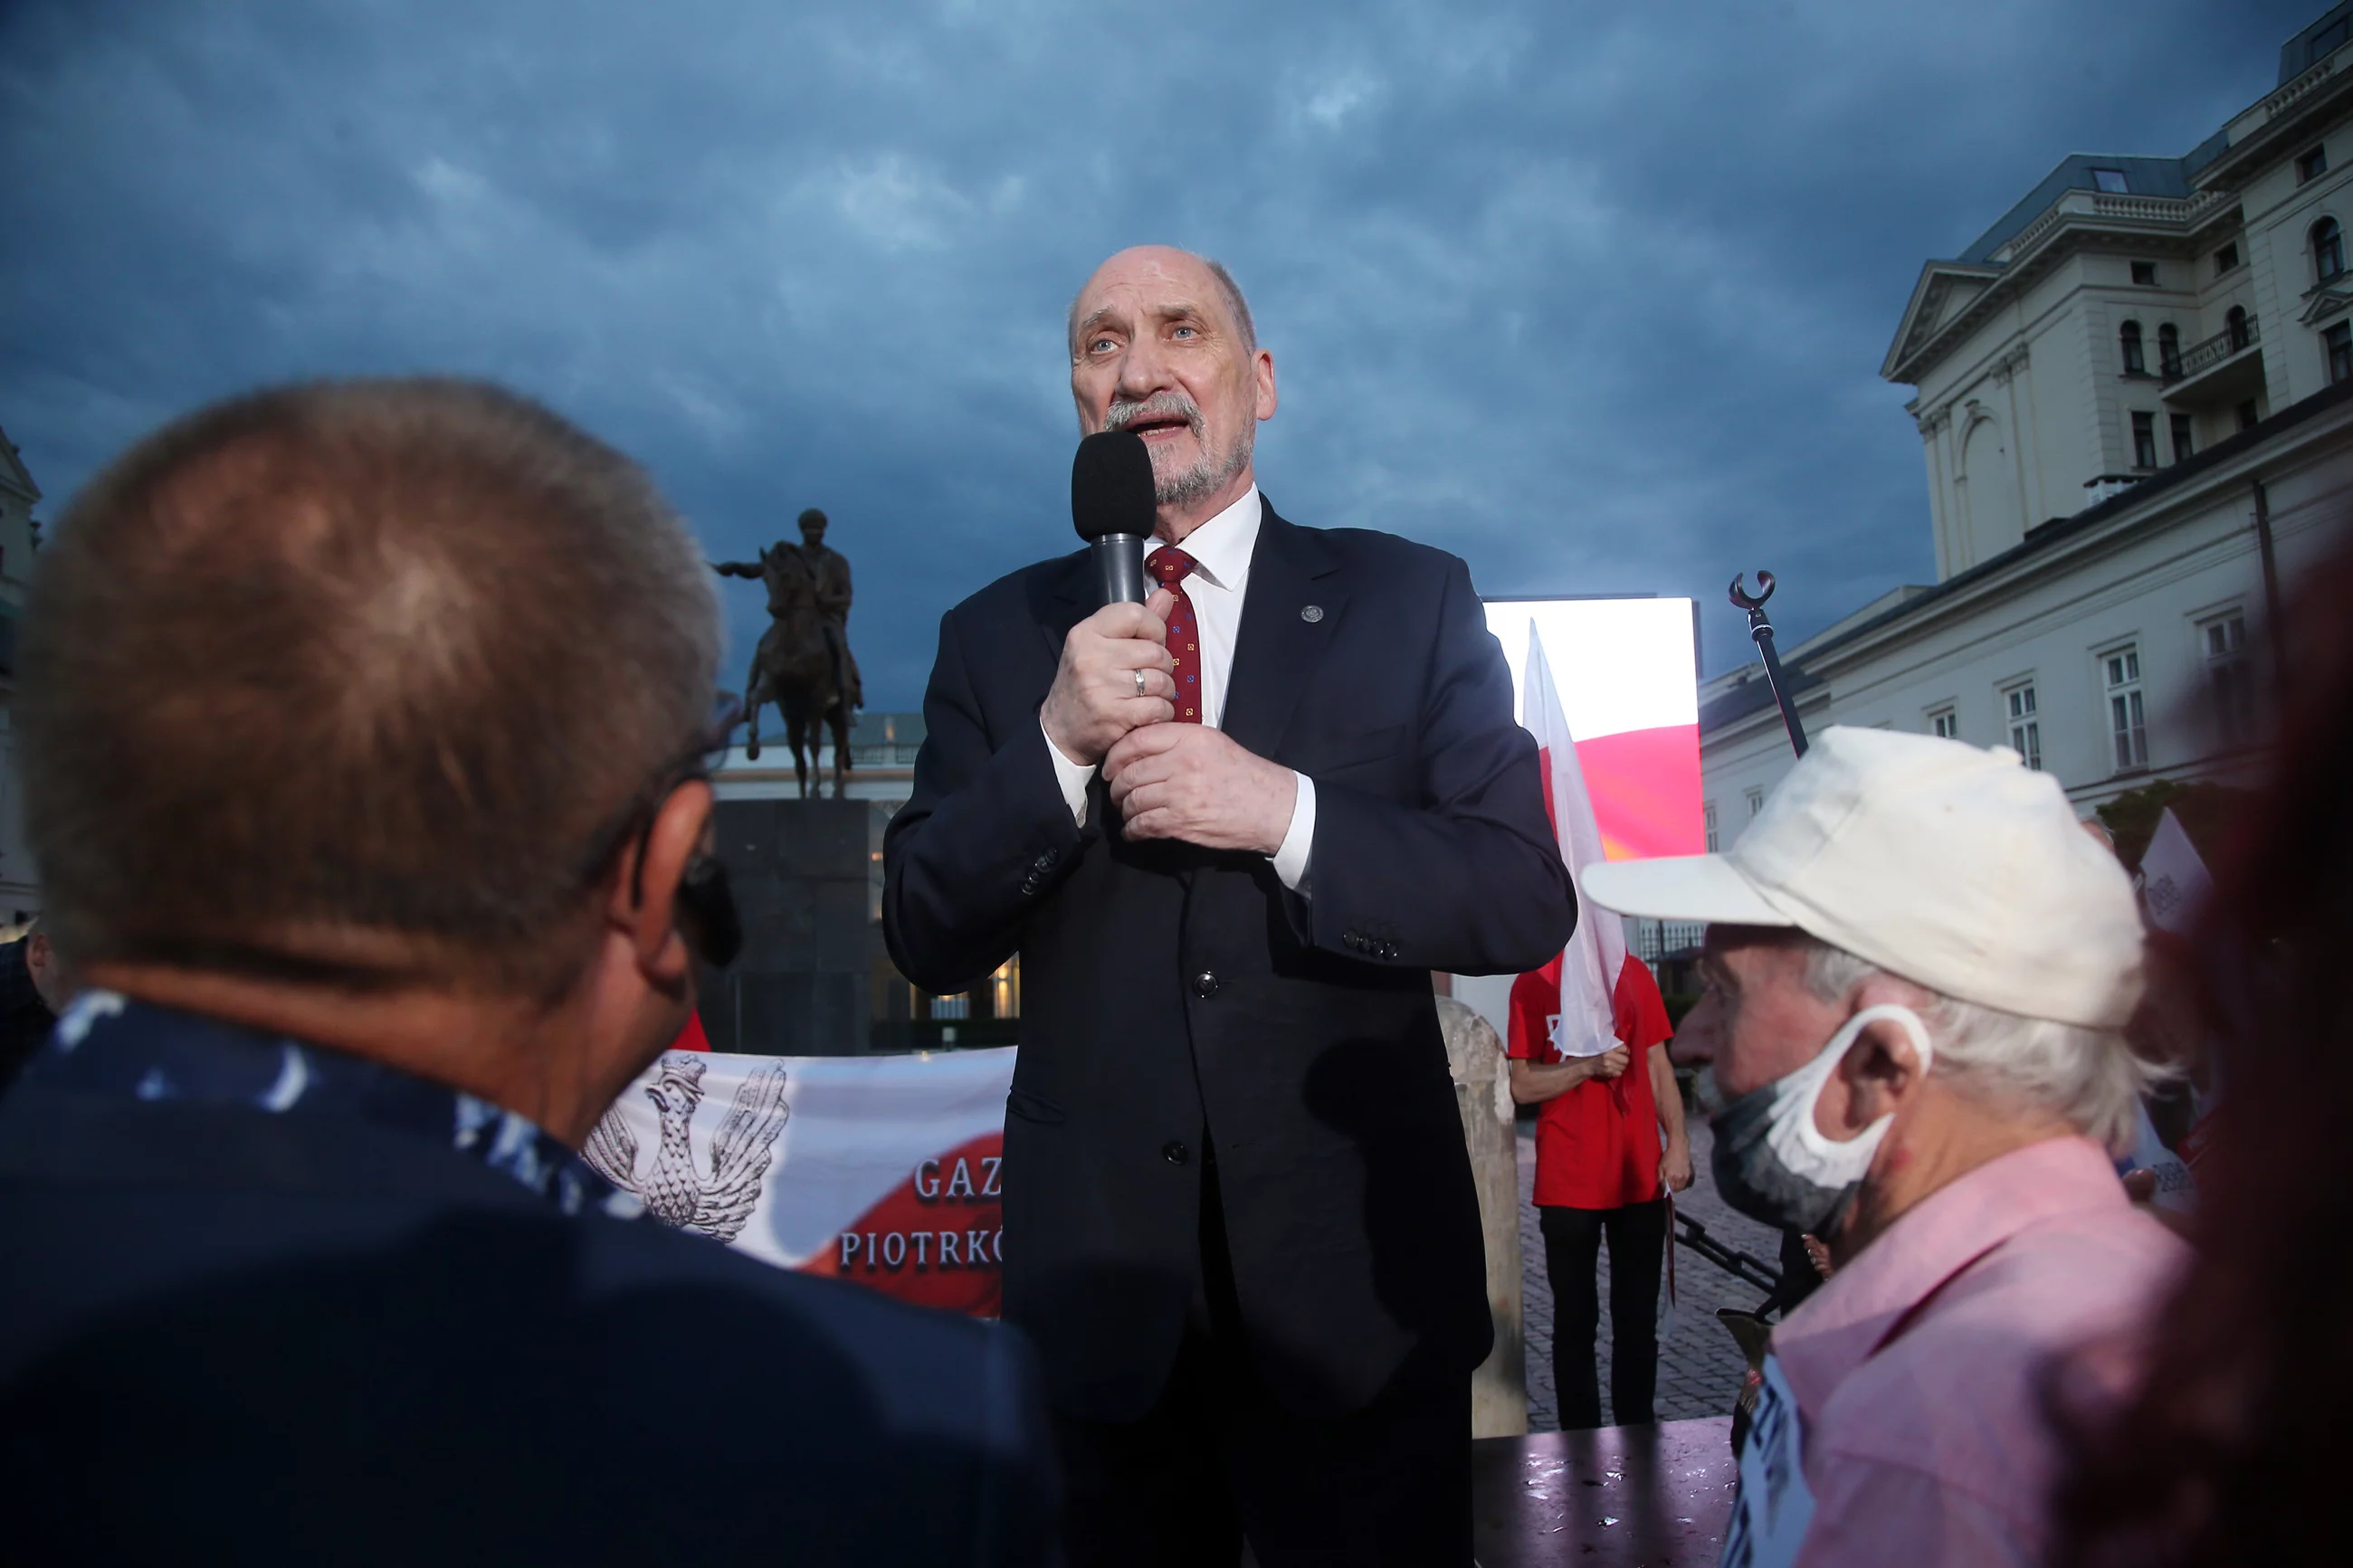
pixel 1062 597
pixel 1278 648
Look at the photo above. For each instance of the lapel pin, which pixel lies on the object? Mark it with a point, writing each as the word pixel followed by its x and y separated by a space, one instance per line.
pixel 1311 614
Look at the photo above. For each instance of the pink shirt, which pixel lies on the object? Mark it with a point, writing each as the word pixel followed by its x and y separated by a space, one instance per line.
pixel 1930 1447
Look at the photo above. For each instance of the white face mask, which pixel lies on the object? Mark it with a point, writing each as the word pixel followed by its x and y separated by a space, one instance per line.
pixel 1773 1163
pixel 1801 1145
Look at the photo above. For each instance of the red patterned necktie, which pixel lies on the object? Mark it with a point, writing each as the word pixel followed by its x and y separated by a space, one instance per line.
pixel 1172 566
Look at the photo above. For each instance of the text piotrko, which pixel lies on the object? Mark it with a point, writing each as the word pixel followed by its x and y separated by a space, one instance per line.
pixel 963 1181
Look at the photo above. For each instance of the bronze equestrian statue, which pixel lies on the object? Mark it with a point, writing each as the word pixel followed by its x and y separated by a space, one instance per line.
pixel 802 664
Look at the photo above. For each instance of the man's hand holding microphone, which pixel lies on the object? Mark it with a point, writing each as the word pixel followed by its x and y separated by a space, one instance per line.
pixel 1111 703
pixel 1115 674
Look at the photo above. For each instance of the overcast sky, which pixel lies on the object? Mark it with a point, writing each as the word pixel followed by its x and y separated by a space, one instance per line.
pixel 1594 295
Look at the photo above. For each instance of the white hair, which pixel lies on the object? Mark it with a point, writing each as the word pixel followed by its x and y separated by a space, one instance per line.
pixel 2090 1077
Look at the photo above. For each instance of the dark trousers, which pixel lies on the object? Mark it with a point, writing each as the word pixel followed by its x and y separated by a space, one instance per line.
pixel 1637 1252
pixel 1800 1277
pixel 1219 1459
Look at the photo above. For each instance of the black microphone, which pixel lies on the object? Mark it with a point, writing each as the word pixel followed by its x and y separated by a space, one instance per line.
pixel 1114 500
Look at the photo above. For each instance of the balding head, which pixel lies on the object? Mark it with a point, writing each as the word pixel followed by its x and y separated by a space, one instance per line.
pixel 352 669
pixel 1182 267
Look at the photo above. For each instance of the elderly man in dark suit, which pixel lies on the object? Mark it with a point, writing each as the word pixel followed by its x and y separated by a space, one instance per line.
pixel 383 895
pixel 1230 832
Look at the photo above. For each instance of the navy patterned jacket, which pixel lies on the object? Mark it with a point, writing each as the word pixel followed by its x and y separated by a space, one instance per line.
pixel 264 1302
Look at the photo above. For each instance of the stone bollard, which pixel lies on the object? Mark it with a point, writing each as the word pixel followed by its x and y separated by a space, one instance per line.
pixel 1499 1389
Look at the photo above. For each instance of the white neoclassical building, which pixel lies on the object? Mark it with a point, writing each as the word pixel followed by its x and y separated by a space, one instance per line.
pixel 2136 409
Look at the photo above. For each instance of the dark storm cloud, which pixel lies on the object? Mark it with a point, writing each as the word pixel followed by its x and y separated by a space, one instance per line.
pixel 1593 295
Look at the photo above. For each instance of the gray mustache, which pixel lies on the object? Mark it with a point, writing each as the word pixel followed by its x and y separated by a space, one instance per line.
pixel 1161 405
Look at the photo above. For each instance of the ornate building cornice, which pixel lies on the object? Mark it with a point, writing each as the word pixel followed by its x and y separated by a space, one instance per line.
pixel 2077 220
pixel 2328 300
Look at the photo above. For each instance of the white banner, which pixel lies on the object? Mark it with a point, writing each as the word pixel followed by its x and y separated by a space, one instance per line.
pixel 879 1168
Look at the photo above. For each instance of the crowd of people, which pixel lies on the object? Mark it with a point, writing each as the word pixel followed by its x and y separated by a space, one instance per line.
pixel 364 730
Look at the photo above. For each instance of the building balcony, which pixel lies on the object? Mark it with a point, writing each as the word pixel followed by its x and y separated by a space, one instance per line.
pixel 2225 370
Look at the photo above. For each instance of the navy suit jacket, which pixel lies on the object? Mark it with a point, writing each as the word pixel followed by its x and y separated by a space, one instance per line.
pixel 1176 1000
pixel 229 1335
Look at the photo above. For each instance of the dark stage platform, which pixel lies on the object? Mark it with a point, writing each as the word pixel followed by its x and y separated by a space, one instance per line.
pixel 1612 1499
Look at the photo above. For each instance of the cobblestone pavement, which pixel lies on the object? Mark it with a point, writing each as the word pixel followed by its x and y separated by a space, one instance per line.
pixel 1700 1368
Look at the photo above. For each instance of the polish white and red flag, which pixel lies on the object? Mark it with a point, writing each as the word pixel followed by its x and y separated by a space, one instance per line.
pixel 1596 965
pixel 883 1170
pixel 1624 676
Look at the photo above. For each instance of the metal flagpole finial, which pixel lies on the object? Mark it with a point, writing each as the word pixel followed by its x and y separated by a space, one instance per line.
pixel 1740 597
pixel 1761 630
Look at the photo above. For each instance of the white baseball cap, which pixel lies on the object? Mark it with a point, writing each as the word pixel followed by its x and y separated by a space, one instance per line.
pixel 1957 868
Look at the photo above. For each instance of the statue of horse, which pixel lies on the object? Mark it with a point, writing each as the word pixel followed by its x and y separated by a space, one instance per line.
pixel 796 667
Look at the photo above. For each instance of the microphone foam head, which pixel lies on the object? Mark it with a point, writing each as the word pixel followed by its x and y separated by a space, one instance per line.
pixel 1112 488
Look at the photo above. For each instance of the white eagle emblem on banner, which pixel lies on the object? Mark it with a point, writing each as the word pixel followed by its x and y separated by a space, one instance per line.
pixel 675 1190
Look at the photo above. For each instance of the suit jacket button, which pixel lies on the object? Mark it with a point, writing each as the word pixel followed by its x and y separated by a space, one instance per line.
pixel 1175 1153
pixel 1030 885
pixel 1205 984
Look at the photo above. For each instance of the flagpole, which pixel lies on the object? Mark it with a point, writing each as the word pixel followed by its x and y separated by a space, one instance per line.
pixel 1761 630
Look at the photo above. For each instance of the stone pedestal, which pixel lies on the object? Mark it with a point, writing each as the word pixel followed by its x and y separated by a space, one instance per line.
pixel 800 871
pixel 1474 1055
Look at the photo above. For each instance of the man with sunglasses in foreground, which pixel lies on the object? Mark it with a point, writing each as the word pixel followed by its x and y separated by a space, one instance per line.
pixel 362 727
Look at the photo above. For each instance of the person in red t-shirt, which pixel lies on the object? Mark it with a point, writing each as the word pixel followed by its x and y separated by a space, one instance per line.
pixel 1601 1170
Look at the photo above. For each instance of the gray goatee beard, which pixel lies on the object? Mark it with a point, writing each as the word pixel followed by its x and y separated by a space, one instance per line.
pixel 1208 473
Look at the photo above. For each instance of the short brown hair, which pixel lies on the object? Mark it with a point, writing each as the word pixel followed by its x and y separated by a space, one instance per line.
pixel 380 655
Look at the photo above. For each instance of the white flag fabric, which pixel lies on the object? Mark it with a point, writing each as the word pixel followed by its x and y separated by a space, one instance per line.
pixel 1596 954
pixel 2174 882
pixel 884 1170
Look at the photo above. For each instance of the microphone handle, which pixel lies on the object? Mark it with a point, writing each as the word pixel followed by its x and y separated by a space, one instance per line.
pixel 1119 568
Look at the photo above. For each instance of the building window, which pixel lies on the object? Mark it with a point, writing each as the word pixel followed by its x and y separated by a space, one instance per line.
pixel 2184 437
pixel 2229 682
pixel 2327 250
pixel 2111 180
pixel 2144 440
pixel 2145 273
pixel 1707 820
pixel 2169 350
pixel 2311 164
pixel 951 1008
pixel 2127 721
pixel 2025 725
pixel 2129 339
pixel 1756 801
pixel 1945 724
pixel 2340 341
pixel 2235 324
pixel 2227 259
pixel 2249 416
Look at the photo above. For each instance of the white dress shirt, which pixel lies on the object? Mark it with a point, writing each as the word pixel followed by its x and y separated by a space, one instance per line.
pixel 1221 550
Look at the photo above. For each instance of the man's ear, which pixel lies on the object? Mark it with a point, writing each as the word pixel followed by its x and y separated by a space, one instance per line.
pixel 1262 384
pixel 644 895
pixel 1881 1072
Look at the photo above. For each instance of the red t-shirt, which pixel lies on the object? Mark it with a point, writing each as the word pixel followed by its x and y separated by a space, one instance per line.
pixel 1598 1145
